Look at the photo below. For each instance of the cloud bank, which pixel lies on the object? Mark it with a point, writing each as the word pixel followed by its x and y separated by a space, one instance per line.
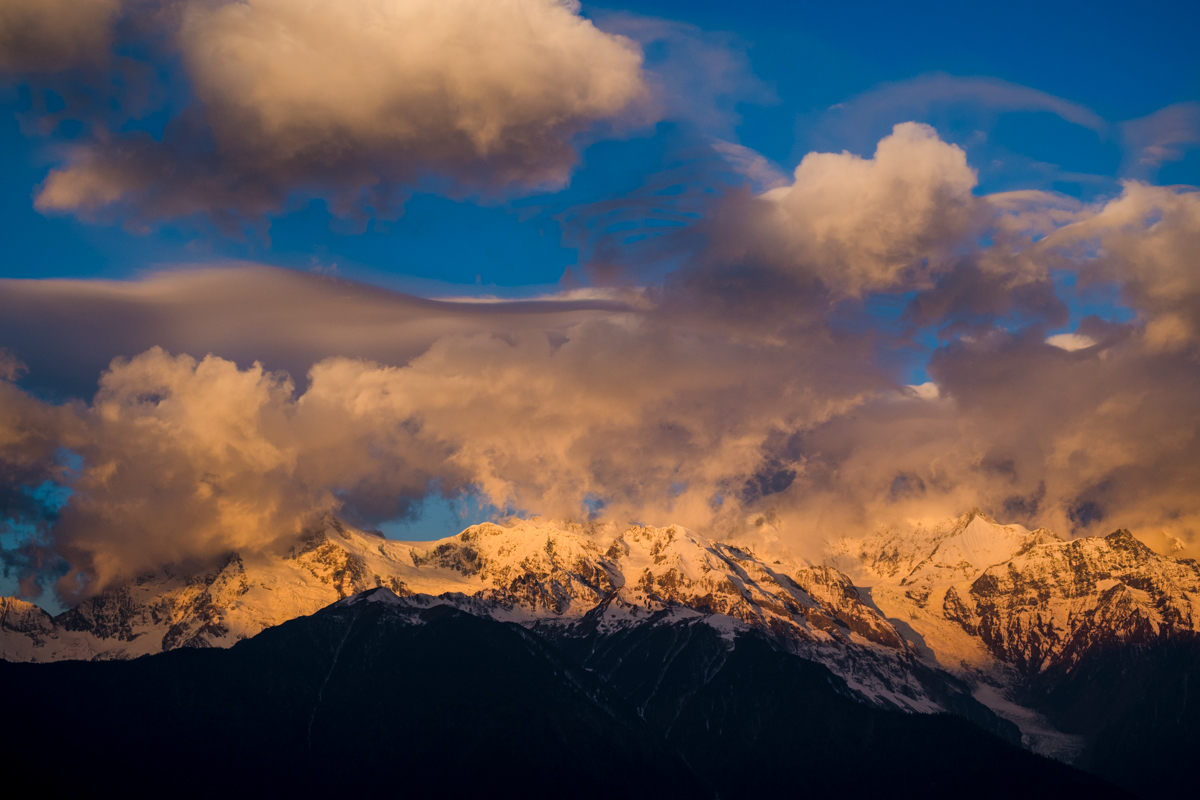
pixel 753 388
pixel 749 398
pixel 872 224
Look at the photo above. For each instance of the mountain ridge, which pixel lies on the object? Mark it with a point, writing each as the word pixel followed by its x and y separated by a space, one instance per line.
pixel 968 616
pixel 389 693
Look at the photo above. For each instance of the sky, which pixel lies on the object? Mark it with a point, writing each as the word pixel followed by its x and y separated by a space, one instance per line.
pixel 778 271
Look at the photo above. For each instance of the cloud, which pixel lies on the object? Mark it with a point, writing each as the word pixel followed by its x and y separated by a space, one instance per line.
pixel 1070 341
pixel 861 225
pixel 11 367
pixel 1145 241
pixel 918 98
pixel 49 36
pixel 762 174
pixel 1081 442
pixel 356 102
pixel 754 381
pixel 1166 135
pixel 696 76
pixel 184 459
pixel 69 330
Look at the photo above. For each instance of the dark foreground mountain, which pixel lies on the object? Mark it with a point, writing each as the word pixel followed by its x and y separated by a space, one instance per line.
pixel 1137 708
pixel 418 697
pixel 1062 646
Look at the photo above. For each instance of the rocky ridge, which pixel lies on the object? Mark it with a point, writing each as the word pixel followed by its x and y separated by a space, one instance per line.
pixel 414 692
pixel 532 572
pixel 923 619
pixel 984 597
pixel 1007 609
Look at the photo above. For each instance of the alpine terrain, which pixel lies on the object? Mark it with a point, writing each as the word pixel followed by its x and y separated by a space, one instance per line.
pixel 969 633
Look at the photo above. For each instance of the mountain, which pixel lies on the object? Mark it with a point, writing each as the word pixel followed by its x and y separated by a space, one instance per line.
pixel 532 572
pixel 1028 636
pixel 1026 599
pixel 417 696
pixel 1087 645
pixel 997 603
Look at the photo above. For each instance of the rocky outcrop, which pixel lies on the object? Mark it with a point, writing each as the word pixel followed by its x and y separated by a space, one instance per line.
pixel 1054 603
pixel 533 572
pixel 975 590
pixel 24 619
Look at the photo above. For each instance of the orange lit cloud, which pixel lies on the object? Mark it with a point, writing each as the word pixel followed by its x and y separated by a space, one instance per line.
pixel 874 224
pixel 354 102
pixel 741 390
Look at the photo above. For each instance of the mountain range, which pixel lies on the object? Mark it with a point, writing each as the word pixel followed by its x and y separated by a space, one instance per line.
pixel 969 636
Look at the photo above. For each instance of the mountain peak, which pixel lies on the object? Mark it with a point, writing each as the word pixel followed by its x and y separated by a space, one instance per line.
pixel 1123 539
pixel 381 594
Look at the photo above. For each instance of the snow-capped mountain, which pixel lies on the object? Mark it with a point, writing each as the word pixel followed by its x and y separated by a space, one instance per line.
pixel 984 597
pixel 962 616
pixel 533 572
pixel 1008 627
pixel 416 695
pixel 1017 613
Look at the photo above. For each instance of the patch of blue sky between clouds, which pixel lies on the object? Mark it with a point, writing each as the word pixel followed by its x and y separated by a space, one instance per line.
pixel 437 517
pixel 1101 300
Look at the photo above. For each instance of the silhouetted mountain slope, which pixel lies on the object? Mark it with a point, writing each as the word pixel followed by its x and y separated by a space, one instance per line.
pixel 1138 709
pixel 798 735
pixel 415 697
pixel 369 695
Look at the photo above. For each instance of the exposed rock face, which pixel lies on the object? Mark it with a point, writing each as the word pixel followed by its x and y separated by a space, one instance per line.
pixel 535 573
pixel 215 608
pixel 25 619
pixel 1010 610
pixel 1025 599
pixel 1054 603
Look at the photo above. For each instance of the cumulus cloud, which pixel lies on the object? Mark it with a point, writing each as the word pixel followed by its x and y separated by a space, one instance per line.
pixel 357 101
pixel 1082 432
pixel 1146 241
pixel 862 224
pixel 1081 442
pixel 184 459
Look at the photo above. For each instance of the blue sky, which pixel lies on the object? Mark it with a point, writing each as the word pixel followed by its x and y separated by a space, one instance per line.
pixel 1118 60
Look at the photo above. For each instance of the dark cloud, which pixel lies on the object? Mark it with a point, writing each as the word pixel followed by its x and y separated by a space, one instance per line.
pixel 68 331
pixel 49 36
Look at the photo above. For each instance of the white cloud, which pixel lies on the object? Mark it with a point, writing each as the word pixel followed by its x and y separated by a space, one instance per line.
pixel 864 225
pixel 924 391
pixel 1070 341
